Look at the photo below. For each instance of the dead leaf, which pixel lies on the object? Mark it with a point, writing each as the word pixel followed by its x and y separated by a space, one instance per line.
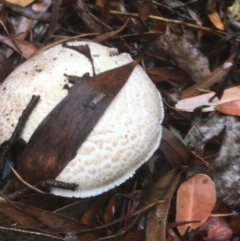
pixel 196 198
pixel 90 213
pixel 157 201
pixel 45 221
pixel 22 3
pixel 207 81
pixel 166 73
pixel 24 48
pixel 191 103
pixel 213 15
pixel 173 149
pixel 216 20
pixel 15 234
pixel 162 192
pixel 109 212
pixel 230 108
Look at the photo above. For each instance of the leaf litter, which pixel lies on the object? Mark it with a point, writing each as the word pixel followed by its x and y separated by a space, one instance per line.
pixel 184 48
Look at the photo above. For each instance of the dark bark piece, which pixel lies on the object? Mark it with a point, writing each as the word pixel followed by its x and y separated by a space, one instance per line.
pixel 59 136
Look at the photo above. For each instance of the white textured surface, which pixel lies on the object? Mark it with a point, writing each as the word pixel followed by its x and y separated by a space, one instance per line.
pixel 125 137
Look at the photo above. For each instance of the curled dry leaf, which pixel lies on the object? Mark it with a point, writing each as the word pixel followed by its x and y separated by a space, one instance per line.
pixel 219 74
pixel 195 200
pixel 191 103
pixel 230 108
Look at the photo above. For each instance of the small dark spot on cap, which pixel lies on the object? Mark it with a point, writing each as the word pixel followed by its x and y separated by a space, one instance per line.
pixel 205 181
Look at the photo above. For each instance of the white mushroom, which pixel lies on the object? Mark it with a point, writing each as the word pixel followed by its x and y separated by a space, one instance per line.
pixel 124 138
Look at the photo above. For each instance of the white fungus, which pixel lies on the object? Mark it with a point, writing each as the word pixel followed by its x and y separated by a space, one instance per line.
pixel 124 138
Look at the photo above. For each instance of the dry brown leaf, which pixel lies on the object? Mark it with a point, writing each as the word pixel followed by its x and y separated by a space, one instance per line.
pixel 219 74
pixel 167 73
pixel 24 48
pixel 196 198
pixel 162 192
pixel 230 108
pixel 43 220
pixel 216 20
pixel 173 149
pixel 22 3
pixel 110 210
pixel 189 104
pixel 90 213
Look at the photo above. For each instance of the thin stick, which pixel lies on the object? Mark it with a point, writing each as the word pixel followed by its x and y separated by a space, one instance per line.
pixel 6 146
pixel 167 20
pixel 23 118
pixel 26 183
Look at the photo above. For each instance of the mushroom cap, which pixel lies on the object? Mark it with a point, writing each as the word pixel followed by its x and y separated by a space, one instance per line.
pixel 123 139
